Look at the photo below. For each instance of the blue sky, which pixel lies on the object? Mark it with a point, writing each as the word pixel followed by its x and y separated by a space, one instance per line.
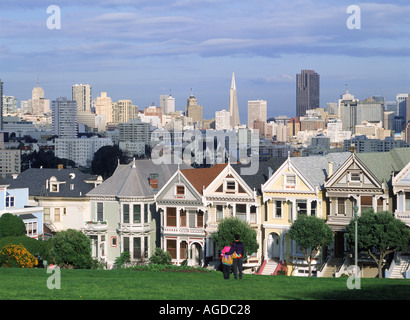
pixel 141 49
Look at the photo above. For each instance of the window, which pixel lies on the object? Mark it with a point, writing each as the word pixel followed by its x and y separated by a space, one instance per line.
pixel 219 212
pixel 146 205
pixel 113 241
pixel 230 186
pixel 407 200
pixel 9 202
pixel 126 244
pixel 313 206
pixel 125 213
pixel 145 247
pixel 366 203
pixel 301 206
pixel 290 179
pixel 136 213
pixel 241 212
pixel 100 211
pixel 200 219
pixel 278 209
pixel 183 250
pixel 57 214
pixel 137 248
pixel 54 187
pixel 172 248
pixel 182 218
pixel 180 190
pixel 171 217
pixel 341 205
pixel 47 214
pixel 355 177
pixel 253 214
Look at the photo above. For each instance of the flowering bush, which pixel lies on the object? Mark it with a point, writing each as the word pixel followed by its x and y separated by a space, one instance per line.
pixel 16 256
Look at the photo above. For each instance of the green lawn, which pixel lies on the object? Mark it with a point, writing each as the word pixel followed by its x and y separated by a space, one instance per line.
pixel 30 284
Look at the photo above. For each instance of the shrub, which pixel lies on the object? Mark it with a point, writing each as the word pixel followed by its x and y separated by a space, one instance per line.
pixel 38 248
pixel 71 249
pixel 16 256
pixel 123 259
pixel 161 257
pixel 11 225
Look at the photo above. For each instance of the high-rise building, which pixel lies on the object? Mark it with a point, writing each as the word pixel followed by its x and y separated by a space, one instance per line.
pixel 233 104
pixel 167 103
pixel 64 118
pixel 257 110
pixel 307 91
pixel 1 105
pixel 9 105
pixel 222 120
pixel 81 93
pixel 37 104
pixel 103 107
pixel 124 111
pixel 193 110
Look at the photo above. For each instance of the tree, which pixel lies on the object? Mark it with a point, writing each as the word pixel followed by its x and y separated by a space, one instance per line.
pixel 105 160
pixel 380 231
pixel 227 229
pixel 71 249
pixel 11 225
pixel 311 234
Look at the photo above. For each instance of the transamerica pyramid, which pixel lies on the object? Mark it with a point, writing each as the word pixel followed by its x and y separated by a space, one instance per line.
pixel 233 104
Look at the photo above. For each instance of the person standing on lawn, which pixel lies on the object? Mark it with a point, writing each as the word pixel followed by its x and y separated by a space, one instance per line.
pixel 238 248
pixel 226 262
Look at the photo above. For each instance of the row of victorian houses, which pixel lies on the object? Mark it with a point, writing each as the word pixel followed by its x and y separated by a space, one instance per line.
pixel 143 206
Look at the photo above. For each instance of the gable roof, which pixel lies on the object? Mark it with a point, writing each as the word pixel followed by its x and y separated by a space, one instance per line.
pixel 35 180
pixel 132 180
pixel 265 169
pixel 315 169
pixel 382 164
pixel 202 177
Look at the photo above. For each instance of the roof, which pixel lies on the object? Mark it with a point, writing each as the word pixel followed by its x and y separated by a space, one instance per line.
pixel 255 181
pixel 316 168
pixel 202 177
pixel 35 180
pixel 132 180
pixel 382 164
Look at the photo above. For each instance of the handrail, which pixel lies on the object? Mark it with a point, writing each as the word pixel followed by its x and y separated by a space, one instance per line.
pixel 388 272
pixel 321 271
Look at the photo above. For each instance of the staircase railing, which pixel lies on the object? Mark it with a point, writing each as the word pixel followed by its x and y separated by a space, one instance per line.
pixel 388 272
pixel 323 267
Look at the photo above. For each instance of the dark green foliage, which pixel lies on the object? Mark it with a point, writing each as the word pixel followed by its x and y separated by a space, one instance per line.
pixel 381 231
pixel 11 225
pixel 123 259
pixel 227 229
pixel 44 159
pixel 105 160
pixel 38 248
pixel 161 257
pixel 71 249
pixel 311 234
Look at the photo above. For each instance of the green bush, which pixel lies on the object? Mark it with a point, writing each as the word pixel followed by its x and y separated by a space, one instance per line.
pixel 161 257
pixel 123 259
pixel 38 248
pixel 11 225
pixel 71 249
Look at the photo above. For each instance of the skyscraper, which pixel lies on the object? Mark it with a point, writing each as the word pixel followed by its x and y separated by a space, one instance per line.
pixel 81 93
pixel 257 110
pixel 64 118
pixel 307 91
pixel 192 109
pixel 233 104
pixel 1 105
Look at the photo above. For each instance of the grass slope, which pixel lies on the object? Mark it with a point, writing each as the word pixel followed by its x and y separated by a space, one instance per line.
pixel 18 284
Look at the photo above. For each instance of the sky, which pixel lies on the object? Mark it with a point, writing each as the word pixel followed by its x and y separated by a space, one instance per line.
pixel 142 49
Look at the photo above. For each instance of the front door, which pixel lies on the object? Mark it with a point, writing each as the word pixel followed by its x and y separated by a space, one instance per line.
pixel 339 244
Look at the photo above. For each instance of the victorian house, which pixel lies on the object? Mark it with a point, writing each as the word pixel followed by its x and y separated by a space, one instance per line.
pixel 123 212
pixel 401 191
pixel 295 188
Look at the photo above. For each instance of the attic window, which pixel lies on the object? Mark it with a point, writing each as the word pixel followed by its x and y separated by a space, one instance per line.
pixel 180 190
pixel 355 177
pixel 230 186
pixel 290 179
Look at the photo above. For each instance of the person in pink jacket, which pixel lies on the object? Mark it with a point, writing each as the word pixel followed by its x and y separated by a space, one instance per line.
pixel 227 261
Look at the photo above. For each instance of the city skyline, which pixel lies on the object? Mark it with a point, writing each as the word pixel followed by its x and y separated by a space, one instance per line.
pixel 139 50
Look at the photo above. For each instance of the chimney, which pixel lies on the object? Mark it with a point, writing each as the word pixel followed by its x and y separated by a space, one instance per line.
pixel 330 169
pixel 153 181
